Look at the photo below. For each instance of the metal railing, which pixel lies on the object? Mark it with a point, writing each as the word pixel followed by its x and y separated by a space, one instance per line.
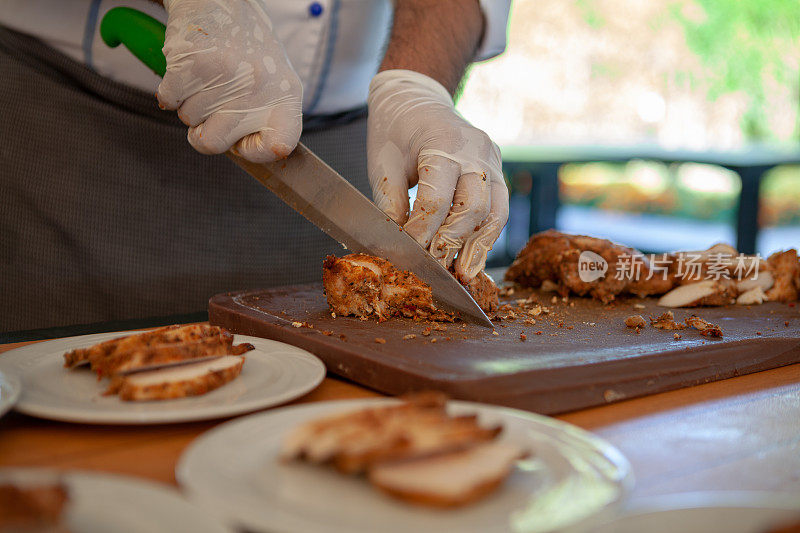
pixel 540 192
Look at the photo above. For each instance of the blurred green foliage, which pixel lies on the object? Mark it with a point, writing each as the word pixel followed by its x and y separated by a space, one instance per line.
pixel 745 45
pixel 591 15
pixel 676 190
pixel 650 187
pixel 780 196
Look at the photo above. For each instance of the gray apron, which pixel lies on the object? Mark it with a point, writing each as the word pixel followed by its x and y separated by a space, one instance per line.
pixel 107 213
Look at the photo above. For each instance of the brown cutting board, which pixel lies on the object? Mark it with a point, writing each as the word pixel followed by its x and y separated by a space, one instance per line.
pixel 579 355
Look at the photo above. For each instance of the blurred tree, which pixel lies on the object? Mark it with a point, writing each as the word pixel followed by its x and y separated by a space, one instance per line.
pixel 747 45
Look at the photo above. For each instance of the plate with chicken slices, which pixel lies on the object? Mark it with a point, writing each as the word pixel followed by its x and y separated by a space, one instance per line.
pixel 170 374
pixel 419 463
pixel 44 500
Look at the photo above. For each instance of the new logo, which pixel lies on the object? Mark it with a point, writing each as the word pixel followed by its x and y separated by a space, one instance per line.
pixel 591 266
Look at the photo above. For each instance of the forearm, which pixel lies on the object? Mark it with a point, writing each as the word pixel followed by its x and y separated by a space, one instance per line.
pixel 437 38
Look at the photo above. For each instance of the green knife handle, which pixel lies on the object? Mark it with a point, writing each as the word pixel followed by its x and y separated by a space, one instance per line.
pixel 140 33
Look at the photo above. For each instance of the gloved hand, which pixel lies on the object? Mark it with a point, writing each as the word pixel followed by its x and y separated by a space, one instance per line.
pixel 415 136
pixel 230 80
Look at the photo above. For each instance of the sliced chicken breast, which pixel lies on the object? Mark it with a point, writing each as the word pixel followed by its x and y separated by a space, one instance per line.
pixel 451 479
pixel 191 379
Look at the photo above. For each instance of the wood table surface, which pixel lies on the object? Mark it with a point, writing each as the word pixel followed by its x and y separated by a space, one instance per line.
pixel 737 434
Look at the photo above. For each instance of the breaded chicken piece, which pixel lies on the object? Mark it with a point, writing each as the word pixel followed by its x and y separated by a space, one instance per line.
pixel 554 256
pixel 160 336
pixel 485 292
pixel 363 285
pixel 786 272
pixel 150 357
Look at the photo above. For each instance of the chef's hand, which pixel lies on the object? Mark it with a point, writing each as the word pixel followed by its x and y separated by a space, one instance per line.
pixel 230 80
pixel 416 137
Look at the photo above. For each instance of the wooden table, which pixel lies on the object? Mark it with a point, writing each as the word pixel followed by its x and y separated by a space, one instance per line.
pixel 741 433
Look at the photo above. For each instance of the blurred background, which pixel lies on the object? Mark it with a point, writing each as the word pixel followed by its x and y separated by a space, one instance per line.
pixel 663 124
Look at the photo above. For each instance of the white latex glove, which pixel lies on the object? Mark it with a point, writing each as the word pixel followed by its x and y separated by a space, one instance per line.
pixel 416 137
pixel 230 80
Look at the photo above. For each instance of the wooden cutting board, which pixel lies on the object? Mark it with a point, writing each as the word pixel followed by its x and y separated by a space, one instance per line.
pixel 579 355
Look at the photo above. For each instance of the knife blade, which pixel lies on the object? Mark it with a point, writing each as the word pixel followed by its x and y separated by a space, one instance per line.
pixel 316 191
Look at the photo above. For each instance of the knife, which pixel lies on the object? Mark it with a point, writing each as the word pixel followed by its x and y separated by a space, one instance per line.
pixel 311 187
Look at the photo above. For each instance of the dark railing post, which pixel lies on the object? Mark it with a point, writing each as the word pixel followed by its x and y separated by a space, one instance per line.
pixel 747 213
pixel 544 196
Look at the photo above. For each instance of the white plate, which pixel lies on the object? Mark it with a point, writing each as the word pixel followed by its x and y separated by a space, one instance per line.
pixel 273 373
pixel 712 512
pixel 234 470
pixel 9 392
pixel 99 503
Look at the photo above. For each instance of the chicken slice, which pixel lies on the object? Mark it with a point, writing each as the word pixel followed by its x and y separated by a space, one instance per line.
pixel 320 440
pixel 363 285
pixel 149 357
pixel 702 293
pixel 165 335
pixel 754 296
pixel 406 438
pixel 448 480
pixel 190 379
pixel 353 442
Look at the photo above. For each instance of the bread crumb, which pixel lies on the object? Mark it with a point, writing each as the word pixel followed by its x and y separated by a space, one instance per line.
pixel 433 340
pixel 333 315
pixel 409 337
pixel 666 321
pixel 530 321
pixel 635 321
pixel 426 332
pixel 523 337
pixel 638 306
pixel 494 332
pixel 297 324
pixel 677 336
pixel 705 328
pixel 380 340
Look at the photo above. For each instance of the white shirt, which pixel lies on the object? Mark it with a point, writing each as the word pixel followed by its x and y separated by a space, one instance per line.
pixel 334 45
